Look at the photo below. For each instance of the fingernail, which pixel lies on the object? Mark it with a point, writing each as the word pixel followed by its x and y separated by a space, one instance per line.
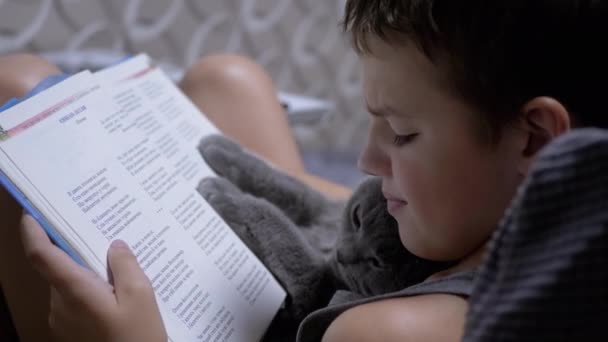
pixel 119 244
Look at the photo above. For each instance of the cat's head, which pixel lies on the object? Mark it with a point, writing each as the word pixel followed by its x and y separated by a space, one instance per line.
pixel 369 257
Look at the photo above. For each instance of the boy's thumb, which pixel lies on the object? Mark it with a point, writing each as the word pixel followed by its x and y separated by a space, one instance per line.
pixel 128 278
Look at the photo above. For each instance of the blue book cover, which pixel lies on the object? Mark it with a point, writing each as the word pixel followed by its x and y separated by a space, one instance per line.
pixel 35 213
pixel 18 195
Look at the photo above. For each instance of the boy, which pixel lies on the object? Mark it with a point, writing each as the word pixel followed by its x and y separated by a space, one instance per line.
pixel 463 95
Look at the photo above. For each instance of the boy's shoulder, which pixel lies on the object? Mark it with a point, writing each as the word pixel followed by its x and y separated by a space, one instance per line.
pixel 432 317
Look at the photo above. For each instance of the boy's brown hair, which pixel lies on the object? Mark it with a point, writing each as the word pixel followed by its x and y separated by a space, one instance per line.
pixel 499 54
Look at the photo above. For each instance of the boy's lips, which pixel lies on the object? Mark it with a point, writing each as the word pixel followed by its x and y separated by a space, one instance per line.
pixel 393 203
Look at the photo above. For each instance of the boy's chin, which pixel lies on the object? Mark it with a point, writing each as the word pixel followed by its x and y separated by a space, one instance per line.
pixel 420 247
pixel 410 240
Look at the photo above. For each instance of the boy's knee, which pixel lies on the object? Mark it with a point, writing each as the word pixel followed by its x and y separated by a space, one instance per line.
pixel 21 72
pixel 226 73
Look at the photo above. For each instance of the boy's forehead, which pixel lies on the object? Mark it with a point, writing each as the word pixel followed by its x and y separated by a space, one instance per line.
pixel 399 68
pixel 394 67
pixel 400 79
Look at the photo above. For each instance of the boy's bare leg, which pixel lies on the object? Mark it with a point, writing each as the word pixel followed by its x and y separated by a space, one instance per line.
pixel 239 97
pixel 26 293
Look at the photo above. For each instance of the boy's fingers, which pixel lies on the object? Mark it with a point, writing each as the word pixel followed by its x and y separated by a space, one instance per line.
pixel 130 281
pixel 56 266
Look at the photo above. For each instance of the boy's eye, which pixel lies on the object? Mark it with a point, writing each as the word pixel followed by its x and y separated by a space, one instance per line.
pixel 401 140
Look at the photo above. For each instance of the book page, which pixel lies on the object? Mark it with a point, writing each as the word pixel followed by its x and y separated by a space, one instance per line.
pixel 119 162
pixel 148 98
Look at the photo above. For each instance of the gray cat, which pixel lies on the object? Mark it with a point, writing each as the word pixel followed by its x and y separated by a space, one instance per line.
pixel 368 258
pixel 313 246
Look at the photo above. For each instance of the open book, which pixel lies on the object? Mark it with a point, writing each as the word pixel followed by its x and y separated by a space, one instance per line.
pixel 112 155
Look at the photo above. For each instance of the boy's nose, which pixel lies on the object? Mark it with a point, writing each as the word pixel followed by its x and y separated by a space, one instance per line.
pixel 373 160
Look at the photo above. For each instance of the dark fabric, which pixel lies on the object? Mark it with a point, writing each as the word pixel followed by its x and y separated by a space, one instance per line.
pixel 7 329
pixel 314 326
pixel 546 276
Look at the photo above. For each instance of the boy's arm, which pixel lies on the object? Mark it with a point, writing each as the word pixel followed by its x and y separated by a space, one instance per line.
pixel 86 308
pixel 429 318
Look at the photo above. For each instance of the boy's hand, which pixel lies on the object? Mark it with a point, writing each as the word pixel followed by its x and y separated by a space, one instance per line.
pixel 86 308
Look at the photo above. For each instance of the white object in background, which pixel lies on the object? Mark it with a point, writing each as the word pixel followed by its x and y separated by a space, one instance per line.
pixel 303 109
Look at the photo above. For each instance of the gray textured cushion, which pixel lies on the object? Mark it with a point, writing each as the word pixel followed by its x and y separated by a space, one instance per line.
pixel 546 277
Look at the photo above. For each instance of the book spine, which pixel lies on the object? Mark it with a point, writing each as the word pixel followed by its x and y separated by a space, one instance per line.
pixel 37 215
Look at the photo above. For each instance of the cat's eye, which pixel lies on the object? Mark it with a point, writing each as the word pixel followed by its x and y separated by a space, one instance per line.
pixel 355 217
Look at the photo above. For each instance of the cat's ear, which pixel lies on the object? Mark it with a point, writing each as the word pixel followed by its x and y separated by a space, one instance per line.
pixel 355 217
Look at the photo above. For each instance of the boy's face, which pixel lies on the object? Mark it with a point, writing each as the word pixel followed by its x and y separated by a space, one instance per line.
pixel 445 187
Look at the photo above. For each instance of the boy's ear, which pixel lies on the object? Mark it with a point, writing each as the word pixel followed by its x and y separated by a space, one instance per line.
pixel 542 119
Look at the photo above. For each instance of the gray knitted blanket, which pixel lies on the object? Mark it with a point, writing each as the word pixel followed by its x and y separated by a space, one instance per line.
pixel 546 277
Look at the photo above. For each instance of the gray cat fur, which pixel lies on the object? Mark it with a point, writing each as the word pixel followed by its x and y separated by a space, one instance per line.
pixel 313 246
pixel 317 216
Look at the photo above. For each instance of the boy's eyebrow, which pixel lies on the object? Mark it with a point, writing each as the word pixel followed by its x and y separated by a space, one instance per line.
pixel 386 111
pixel 378 111
pixel 375 112
pixel 383 111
